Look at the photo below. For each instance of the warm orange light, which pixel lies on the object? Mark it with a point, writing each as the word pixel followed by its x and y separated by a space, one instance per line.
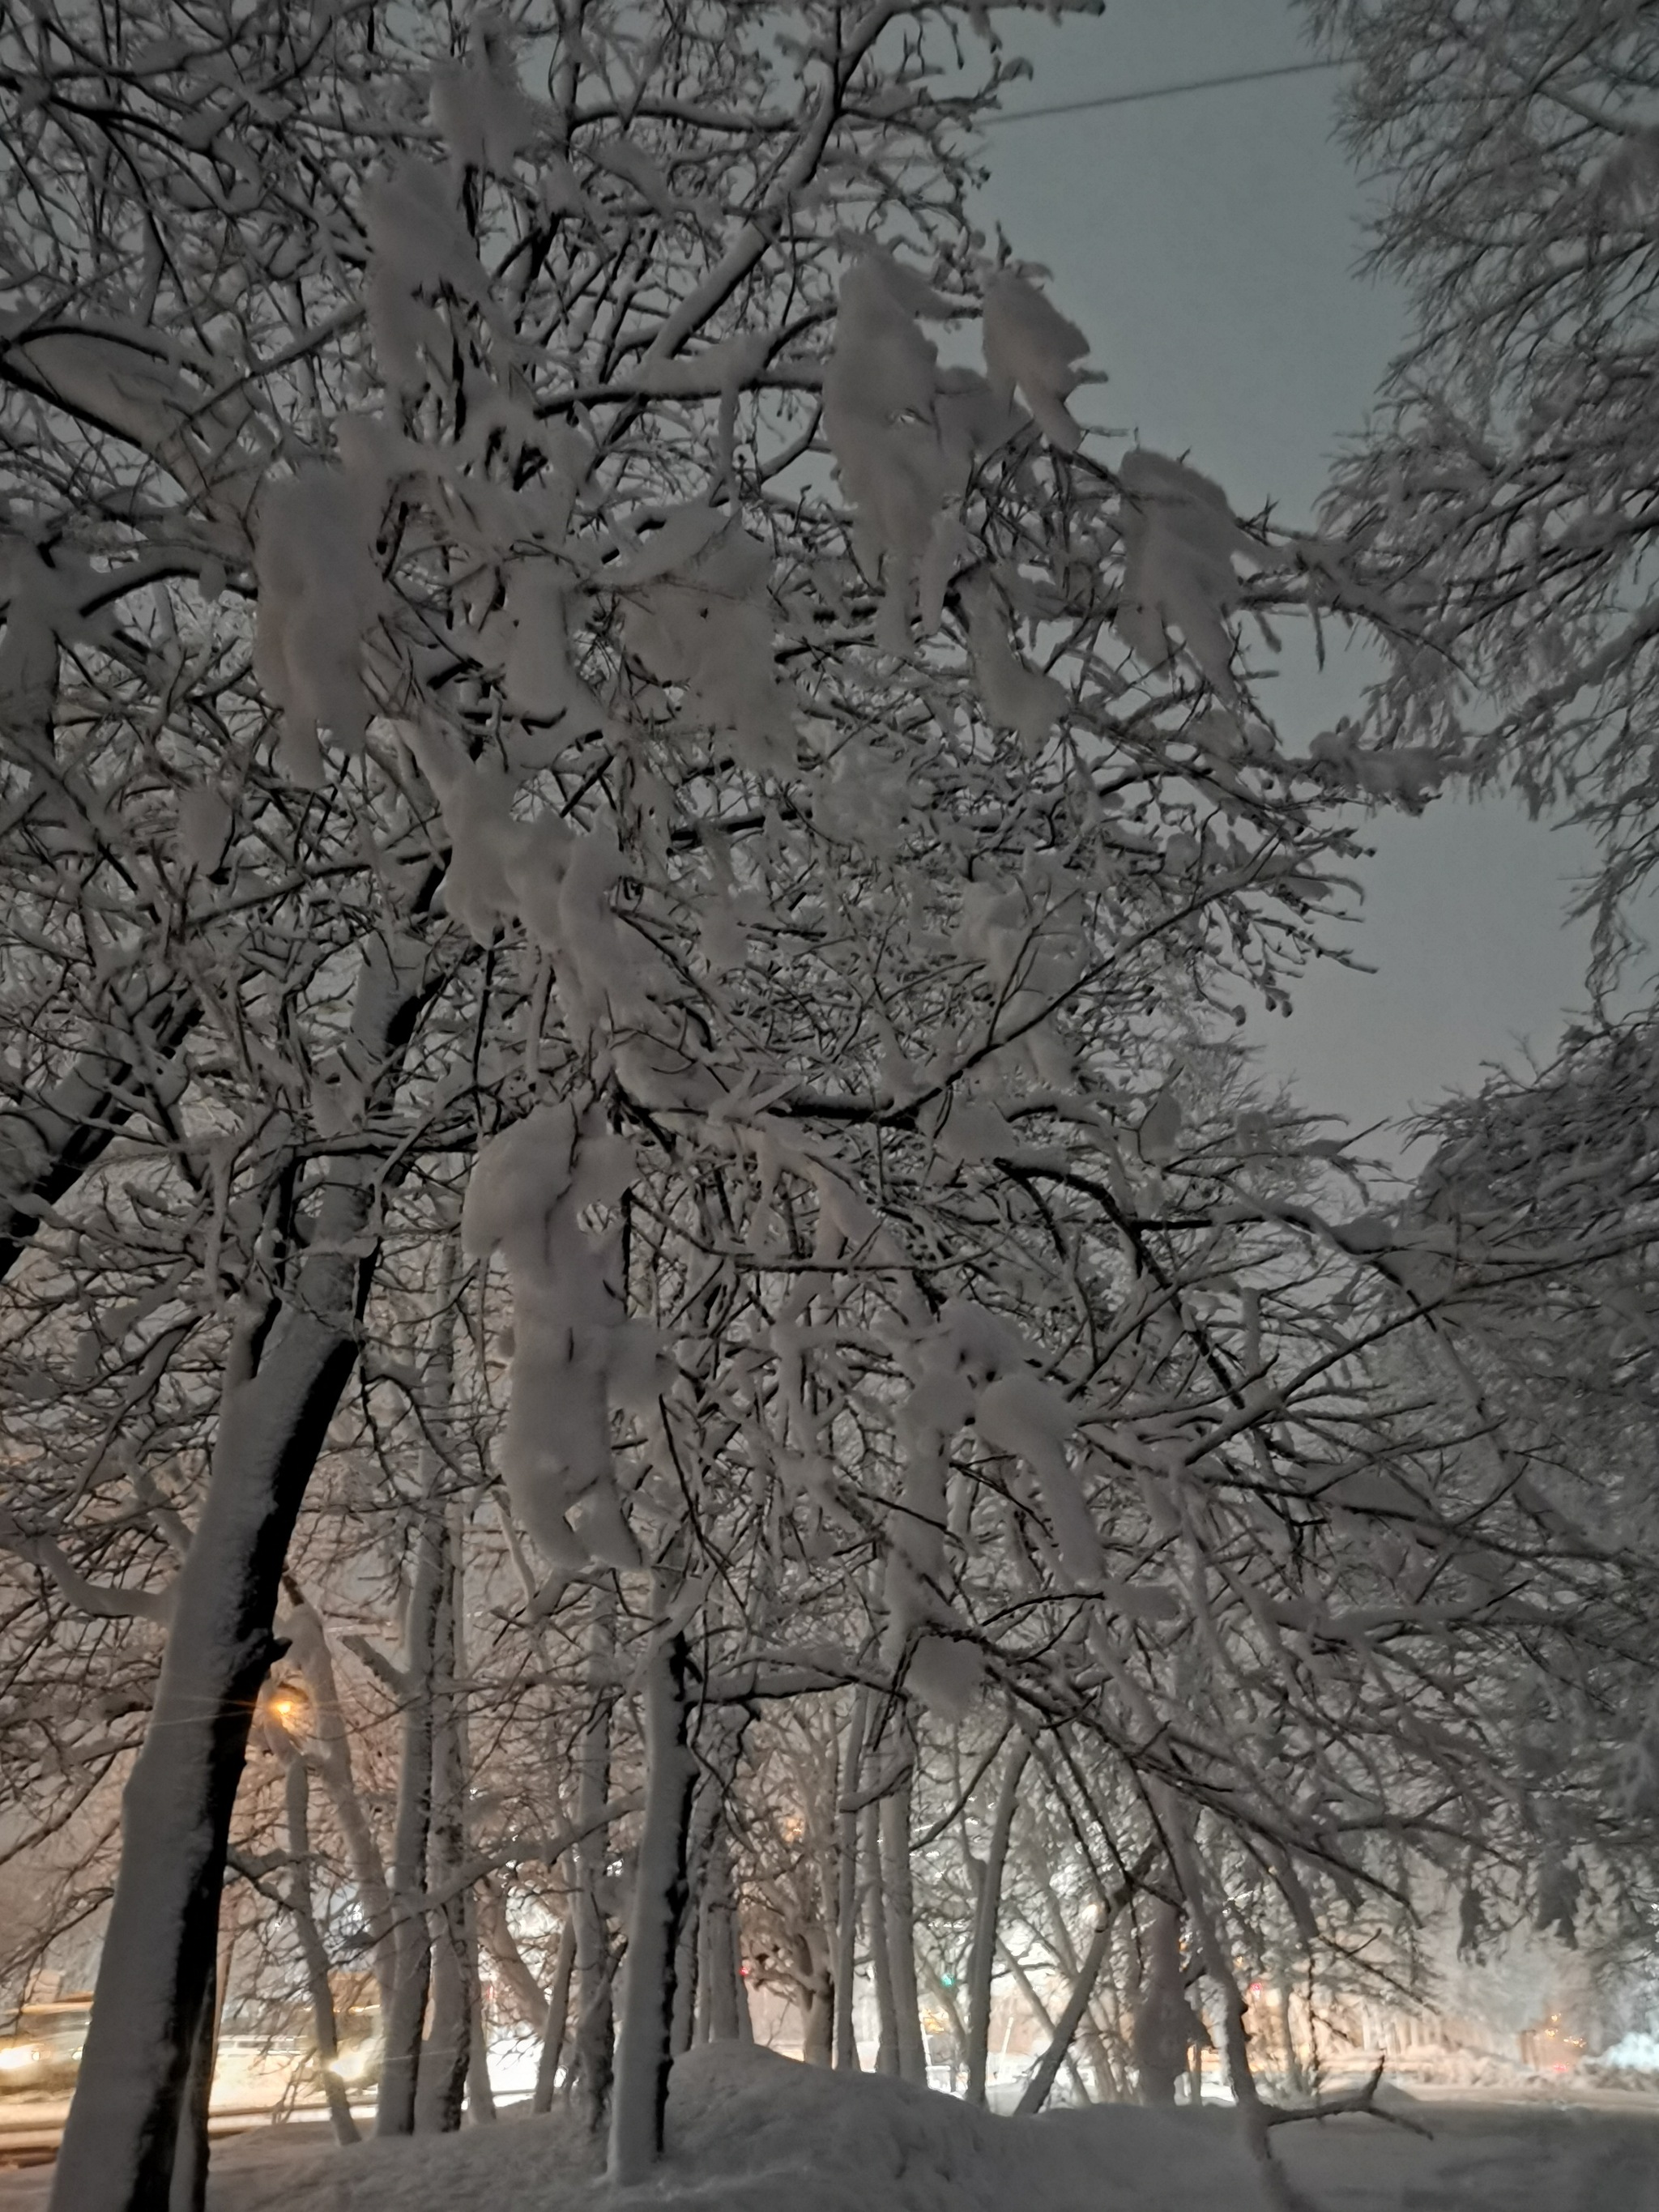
pixel 288 1706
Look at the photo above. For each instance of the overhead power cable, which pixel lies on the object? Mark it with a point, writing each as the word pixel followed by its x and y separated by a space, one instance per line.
pixel 1159 91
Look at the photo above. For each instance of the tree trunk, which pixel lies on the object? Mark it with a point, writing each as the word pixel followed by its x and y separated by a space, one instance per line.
pixel 1280 2191
pixel 187 2191
pixel 156 1975
pixel 723 2003
pixel 689 1943
pixel 912 2051
pixel 881 1971
pixel 643 2053
pixel 330 1748
pixel 981 1956
pixel 1041 2081
pixel 497 1938
pixel 593 2057
pixel 480 2091
pixel 404 2023
pixel 325 2029
pixel 847 1885
pixel 446 2058
pixel 815 1975
pixel 558 2010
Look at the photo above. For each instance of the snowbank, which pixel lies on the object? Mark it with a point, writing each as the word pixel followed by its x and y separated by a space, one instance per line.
pixel 752 2132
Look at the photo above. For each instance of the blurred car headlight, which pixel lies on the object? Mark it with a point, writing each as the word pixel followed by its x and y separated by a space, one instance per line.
pixel 17 2058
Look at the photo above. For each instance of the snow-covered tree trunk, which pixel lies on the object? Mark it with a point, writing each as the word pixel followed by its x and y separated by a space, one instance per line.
pixel 187 2191
pixel 691 1948
pixel 644 2054
pixel 325 2027
pixel 910 2050
pixel 1165 2032
pixel 412 1947
pixel 445 2057
pixel 156 1975
pixel 593 2057
pixel 330 1750
pixel 1253 2117
pixel 881 1965
pixel 429 1621
pixel 846 1884
pixel 1041 2079
pixel 981 1957
pixel 558 2010
pixel 480 2090
pixel 723 1997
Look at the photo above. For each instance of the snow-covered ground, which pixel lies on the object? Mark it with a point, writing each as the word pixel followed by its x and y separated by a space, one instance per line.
pixel 752 2132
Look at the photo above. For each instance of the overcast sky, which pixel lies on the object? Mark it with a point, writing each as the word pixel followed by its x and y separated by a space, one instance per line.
pixel 1208 244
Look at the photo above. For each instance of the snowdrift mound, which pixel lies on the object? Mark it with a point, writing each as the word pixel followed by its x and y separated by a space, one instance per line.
pixel 762 2133
pixel 751 2132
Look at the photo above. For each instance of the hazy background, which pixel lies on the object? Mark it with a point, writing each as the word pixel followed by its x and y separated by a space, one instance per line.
pixel 1209 245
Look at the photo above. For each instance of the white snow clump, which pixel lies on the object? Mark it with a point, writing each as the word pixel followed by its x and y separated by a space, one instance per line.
pixel 575 1349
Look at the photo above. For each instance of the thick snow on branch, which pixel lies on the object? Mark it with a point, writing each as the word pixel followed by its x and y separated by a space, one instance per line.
pixel 1030 346
pixel 710 632
pixel 1180 540
pixel 575 1349
pixel 320 594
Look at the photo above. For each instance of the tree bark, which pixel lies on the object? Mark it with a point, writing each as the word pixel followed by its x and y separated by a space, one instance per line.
pixel 325 2028
pixel 330 1751
pixel 558 2010
pixel 187 2190
pixel 847 1885
pixel 981 1956
pixel 689 1942
pixel 723 1997
pixel 404 2023
pixel 644 2055
pixel 881 1971
pixel 1041 2081
pixel 593 2057
pixel 912 2050
pixel 445 2057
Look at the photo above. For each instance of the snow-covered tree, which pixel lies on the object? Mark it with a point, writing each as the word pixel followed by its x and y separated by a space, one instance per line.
pixel 563 631
pixel 1506 492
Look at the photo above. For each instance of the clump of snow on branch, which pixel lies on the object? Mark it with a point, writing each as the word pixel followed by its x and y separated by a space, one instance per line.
pixel 1029 346
pixel 481 110
pixel 574 1352
pixel 1180 541
pixel 418 245
pixel 708 630
pixel 319 594
pixel 558 881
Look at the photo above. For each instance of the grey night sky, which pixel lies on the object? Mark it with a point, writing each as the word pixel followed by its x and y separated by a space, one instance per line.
pixel 1208 246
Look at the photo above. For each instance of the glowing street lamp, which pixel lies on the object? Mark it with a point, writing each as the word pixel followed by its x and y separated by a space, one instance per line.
pixel 286 1706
